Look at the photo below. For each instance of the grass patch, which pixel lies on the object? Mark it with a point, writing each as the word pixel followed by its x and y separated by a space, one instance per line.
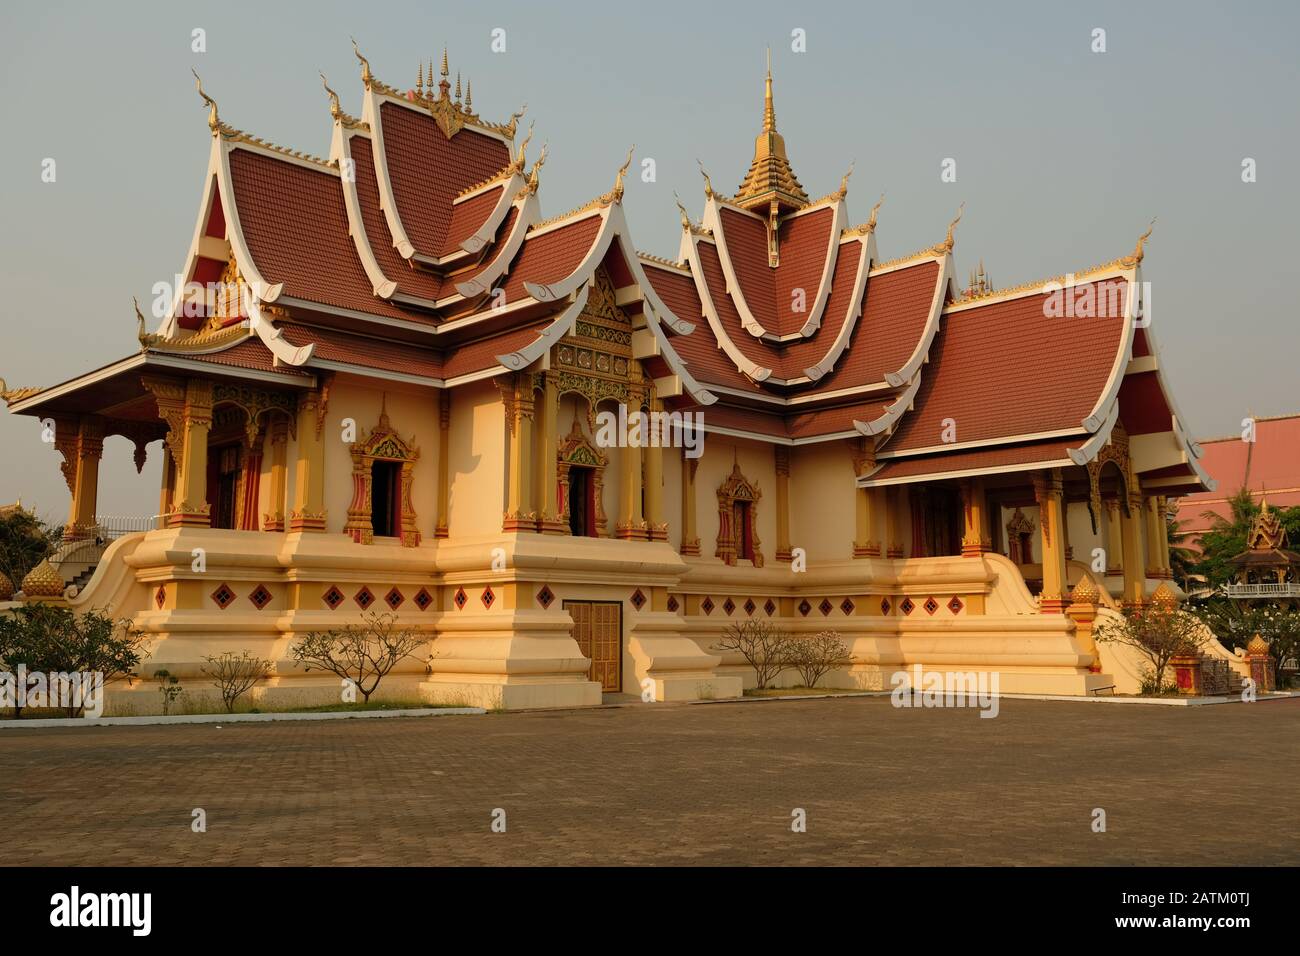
pixel 800 691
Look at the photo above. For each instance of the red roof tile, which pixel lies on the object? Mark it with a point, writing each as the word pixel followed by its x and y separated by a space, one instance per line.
pixel 427 171
pixel 1006 369
pixel 551 256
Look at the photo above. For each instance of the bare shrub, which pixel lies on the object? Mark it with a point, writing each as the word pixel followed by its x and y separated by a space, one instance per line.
pixel 763 645
pixel 361 653
pixel 816 655
pixel 1158 633
pixel 236 675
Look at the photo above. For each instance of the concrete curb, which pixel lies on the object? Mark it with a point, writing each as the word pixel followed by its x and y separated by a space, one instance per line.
pixel 1161 701
pixel 234 718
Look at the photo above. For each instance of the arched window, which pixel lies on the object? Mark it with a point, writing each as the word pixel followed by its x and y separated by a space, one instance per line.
pixel 737 520
pixel 382 467
pixel 580 477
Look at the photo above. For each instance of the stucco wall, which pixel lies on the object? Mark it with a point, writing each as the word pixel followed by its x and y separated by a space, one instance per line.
pixel 822 505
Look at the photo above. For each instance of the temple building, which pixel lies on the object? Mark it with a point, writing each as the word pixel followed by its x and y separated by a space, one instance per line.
pixel 383 382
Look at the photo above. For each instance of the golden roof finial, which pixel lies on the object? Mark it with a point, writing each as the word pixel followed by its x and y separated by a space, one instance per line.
pixel 533 180
pixel 419 80
pixel 514 121
pixel 335 109
pixel 469 96
pixel 445 71
pixel 844 182
pixel 458 86
pixel 946 245
pixel 686 218
pixel 141 332
pixel 366 76
pixel 1138 250
pixel 871 222
pixel 520 156
pixel 214 121
pixel 708 184
pixel 770 178
pixel 616 194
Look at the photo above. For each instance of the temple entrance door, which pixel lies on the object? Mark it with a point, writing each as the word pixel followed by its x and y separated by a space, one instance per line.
pixel 223 484
pixel 598 629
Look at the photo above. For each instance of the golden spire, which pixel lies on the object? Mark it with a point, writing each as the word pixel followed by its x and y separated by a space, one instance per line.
pixel 366 76
pixel 458 86
pixel 444 85
pixel 769 111
pixel 770 179
pixel 214 121
pixel 469 96
pixel 419 81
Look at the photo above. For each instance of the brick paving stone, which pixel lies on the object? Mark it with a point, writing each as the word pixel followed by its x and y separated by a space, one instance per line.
pixel 667 784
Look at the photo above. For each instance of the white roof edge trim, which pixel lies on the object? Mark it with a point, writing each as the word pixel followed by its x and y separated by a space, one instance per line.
pixel 814 320
pixel 559 327
pixel 387 201
pixel 922 350
pixel 757 372
pixel 841 343
pixel 1123 355
pixel 893 412
pixel 713 222
pixel 262 289
pixel 483 282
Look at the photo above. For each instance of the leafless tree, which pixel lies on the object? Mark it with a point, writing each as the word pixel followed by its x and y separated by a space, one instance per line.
pixel 361 653
pixel 817 655
pixel 763 645
pixel 236 675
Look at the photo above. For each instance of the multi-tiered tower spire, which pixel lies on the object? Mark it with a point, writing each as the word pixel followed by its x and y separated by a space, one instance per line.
pixel 770 180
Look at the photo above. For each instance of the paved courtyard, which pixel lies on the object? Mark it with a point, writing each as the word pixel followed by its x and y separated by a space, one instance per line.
pixel 669 784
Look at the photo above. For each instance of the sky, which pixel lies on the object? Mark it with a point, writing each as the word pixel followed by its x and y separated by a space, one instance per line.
pixel 1063 154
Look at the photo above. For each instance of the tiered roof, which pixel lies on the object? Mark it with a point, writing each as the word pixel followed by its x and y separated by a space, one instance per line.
pixel 417 250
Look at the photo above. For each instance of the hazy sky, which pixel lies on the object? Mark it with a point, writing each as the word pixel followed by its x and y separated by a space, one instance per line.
pixel 1063 155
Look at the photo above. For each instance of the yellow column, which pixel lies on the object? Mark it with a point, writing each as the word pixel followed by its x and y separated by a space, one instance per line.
pixel 444 462
pixel 975 535
pixel 192 509
pixel 864 459
pixel 1047 491
pixel 548 446
pixel 631 522
pixel 656 527
pixel 273 518
pixel 781 456
pixel 1114 539
pixel 1156 537
pixel 309 473
pixel 690 540
pixel 82 445
pixel 521 512
pixel 894 521
pixel 1166 564
pixel 1131 535
pixel 168 484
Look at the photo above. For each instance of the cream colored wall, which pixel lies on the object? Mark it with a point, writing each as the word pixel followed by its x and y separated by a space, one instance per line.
pixel 412 412
pixel 822 505
pixel 613 471
pixel 1082 539
pixel 477 450
pixel 757 465
pixel 672 497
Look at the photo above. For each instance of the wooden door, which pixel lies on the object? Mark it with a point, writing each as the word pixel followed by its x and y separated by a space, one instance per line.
pixel 598 629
